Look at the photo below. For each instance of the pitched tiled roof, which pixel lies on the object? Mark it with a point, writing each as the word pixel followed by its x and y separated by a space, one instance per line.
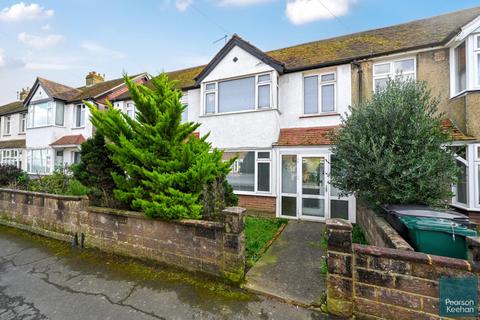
pixel 424 33
pixel 73 140
pixel 311 136
pixel 455 133
pixel 13 144
pixel 57 90
pixel 12 107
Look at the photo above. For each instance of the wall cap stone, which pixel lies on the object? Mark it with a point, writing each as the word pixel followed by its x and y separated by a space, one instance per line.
pixel 339 224
pixel 46 195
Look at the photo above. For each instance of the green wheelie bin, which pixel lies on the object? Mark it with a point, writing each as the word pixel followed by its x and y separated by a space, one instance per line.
pixel 438 236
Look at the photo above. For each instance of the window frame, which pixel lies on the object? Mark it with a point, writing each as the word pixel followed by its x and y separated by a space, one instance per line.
pixel 454 69
pixel 258 160
pixel 48 161
pixel 14 157
pixel 321 84
pixel 75 116
pixel 476 57
pixel 391 74
pixel 51 110
pixel 130 106
pixel 23 123
pixel 7 125
pixel 257 84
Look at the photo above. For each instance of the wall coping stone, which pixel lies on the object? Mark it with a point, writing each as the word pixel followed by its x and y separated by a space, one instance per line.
pixel 140 215
pixel 418 257
pixel 338 224
pixel 46 195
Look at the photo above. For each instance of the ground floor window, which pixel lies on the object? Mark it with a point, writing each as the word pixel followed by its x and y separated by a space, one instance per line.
pixel 467 189
pixel 251 171
pixel 11 157
pixel 39 161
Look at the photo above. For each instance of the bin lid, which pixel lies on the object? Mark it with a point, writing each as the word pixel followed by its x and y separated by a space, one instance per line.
pixel 424 211
pixel 436 224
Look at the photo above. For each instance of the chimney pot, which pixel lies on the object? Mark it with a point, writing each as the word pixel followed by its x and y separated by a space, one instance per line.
pixel 93 78
pixel 23 93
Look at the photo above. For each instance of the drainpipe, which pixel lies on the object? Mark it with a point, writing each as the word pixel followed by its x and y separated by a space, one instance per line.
pixel 360 82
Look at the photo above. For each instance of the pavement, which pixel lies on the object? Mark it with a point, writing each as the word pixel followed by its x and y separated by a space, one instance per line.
pixel 46 279
pixel 290 269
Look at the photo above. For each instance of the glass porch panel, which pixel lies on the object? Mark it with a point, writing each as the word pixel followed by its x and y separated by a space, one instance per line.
pixel 313 176
pixel 313 207
pixel 289 206
pixel 339 209
pixel 289 174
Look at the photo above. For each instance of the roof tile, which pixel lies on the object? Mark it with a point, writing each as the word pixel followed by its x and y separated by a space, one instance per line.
pixel 72 140
pixel 311 136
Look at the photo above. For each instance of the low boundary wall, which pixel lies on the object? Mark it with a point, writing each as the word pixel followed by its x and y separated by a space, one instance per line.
pixel 371 282
pixel 215 248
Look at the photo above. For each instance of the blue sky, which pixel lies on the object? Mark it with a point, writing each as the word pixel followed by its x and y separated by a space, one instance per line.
pixel 63 40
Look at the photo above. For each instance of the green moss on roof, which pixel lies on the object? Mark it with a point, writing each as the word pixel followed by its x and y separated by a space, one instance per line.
pixel 12 107
pixel 185 78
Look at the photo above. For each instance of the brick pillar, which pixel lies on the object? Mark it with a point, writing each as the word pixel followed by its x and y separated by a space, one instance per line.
pixel 234 243
pixel 474 250
pixel 339 259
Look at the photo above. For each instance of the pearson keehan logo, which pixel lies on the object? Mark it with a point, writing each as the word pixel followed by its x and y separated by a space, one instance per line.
pixel 459 297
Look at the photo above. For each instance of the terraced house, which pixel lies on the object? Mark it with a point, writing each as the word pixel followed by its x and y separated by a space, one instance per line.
pixel 276 109
pixel 45 128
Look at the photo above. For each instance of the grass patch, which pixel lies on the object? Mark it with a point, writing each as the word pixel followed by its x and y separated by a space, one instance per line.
pixel 258 233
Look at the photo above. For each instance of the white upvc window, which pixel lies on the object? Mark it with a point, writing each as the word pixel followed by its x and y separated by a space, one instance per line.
pixel 11 157
pixel 251 172
pixel 130 110
pixel 476 58
pixel 184 101
pixel 23 122
pixel 79 116
pixel 76 157
pixel 7 128
pixel 404 68
pixel 460 68
pixel 319 93
pixel 39 161
pixel 45 114
pixel 248 93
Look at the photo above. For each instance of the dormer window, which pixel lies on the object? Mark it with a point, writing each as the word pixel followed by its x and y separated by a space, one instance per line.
pixel 236 95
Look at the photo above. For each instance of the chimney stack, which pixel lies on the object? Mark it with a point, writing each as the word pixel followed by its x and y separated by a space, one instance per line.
pixel 93 78
pixel 23 93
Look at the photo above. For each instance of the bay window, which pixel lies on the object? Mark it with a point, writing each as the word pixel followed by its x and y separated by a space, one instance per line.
pixel 11 157
pixel 394 69
pixel 460 68
pixel 39 161
pixel 236 95
pixel 45 114
pixel 476 54
pixel 319 93
pixel 251 171
pixel 465 65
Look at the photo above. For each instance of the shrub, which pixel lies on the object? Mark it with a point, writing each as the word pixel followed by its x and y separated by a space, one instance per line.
pixel 166 167
pixel 390 149
pixel 58 182
pixel 9 174
pixel 95 171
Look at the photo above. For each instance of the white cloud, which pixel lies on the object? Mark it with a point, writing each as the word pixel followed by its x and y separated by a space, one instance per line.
pixel 21 11
pixel 2 58
pixel 242 2
pixel 305 11
pixel 40 42
pixel 183 5
pixel 101 50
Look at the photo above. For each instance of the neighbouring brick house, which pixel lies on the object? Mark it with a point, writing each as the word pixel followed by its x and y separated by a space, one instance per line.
pixel 276 109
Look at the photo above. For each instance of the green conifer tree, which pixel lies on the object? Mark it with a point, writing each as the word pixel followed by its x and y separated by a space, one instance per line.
pixel 166 167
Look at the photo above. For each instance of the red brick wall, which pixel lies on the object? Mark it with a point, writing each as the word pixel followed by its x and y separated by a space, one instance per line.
pixel 258 203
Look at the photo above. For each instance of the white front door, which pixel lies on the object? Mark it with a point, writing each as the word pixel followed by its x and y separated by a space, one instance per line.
pixel 303 188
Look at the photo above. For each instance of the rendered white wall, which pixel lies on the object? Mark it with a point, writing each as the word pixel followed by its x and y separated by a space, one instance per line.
pixel 14 128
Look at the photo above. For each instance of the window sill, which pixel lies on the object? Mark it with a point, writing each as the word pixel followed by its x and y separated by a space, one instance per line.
pixel 21 133
pixel 7 135
pixel 78 128
pixel 252 193
pixel 320 115
pixel 464 93
pixel 236 112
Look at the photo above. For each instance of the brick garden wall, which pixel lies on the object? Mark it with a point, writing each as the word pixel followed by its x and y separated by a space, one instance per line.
pixel 215 248
pixel 378 231
pixel 258 203
pixel 382 283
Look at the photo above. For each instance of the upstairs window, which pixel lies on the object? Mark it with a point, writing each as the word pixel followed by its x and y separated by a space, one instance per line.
pixel 460 68
pixel 319 93
pixel 130 110
pixel 236 95
pixel 23 122
pixel 45 114
pixel 8 126
pixel 395 69
pixel 79 115
pixel 476 54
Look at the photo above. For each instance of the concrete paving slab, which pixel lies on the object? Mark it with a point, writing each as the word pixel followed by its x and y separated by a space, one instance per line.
pixel 290 269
